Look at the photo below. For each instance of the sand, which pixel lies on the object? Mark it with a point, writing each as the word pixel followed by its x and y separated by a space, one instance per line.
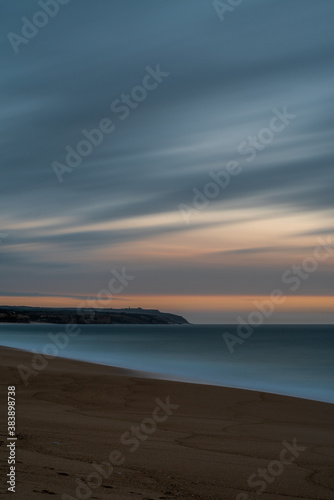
pixel 167 440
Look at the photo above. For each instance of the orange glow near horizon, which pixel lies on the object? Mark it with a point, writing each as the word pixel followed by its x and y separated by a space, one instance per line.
pixel 182 303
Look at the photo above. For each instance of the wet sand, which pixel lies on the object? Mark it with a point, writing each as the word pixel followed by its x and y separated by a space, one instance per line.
pixel 91 431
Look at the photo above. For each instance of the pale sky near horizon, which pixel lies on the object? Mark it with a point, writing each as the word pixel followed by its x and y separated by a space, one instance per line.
pixel 251 94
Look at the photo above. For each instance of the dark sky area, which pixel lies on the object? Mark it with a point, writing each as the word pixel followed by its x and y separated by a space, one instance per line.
pixel 198 92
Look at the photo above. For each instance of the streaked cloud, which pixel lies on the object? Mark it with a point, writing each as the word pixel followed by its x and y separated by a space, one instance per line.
pixel 121 204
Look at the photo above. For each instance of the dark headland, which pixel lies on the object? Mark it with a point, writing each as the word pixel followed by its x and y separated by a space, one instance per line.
pixel 21 314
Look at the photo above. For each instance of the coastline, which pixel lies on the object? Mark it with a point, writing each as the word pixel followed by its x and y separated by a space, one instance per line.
pixel 172 378
pixel 73 414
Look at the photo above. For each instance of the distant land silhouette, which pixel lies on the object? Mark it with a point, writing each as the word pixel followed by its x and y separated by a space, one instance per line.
pixel 23 314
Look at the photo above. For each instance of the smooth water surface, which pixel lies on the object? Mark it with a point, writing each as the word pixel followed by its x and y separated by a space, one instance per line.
pixel 284 359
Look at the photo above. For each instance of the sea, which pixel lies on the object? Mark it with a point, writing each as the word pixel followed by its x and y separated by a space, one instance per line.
pixel 293 360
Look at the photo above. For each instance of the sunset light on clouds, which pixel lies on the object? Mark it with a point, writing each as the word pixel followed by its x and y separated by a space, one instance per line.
pixel 214 179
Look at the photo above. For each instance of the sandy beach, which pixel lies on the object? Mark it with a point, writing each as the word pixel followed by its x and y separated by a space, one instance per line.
pixel 91 431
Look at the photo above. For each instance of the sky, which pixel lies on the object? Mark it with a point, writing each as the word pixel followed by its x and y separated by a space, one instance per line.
pixel 170 154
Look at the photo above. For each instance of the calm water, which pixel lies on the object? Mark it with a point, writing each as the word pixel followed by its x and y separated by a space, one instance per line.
pixel 292 360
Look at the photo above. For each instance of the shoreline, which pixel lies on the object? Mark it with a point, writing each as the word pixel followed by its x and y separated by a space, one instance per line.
pixel 172 378
pixel 74 415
